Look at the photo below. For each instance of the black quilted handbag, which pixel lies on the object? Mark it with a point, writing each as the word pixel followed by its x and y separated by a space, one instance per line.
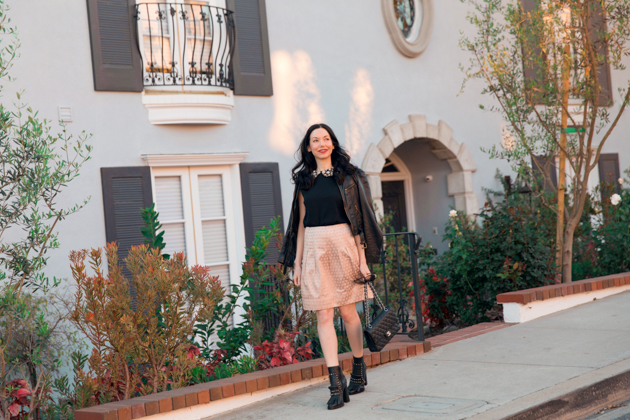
pixel 381 330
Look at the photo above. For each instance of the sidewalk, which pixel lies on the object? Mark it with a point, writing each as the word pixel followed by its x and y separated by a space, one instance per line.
pixel 490 376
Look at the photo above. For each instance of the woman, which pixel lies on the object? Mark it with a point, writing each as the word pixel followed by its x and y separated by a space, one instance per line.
pixel 331 238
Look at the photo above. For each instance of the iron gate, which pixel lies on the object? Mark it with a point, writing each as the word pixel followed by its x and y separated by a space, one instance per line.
pixel 401 240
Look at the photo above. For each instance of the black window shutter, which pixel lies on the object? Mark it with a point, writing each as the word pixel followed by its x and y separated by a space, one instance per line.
pixel 541 164
pixel 533 71
pixel 250 60
pixel 598 28
pixel 126 191
pixel 608 166
pixel 116 61
pixel 262 201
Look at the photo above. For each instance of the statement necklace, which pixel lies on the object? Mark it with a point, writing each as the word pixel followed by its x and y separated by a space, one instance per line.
pixel 326 172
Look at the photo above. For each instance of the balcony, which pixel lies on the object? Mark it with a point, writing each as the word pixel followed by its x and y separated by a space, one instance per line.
pixel 187 62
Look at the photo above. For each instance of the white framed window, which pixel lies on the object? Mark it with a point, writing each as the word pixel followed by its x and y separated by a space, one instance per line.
pixel 201 213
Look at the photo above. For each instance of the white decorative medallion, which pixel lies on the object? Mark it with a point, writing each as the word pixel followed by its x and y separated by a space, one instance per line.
pixel 409 23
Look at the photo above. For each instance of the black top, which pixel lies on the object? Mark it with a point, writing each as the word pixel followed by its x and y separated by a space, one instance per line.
pixel 323 202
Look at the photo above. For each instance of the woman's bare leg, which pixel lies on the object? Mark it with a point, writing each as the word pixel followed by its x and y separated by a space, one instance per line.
pixel 354 330
pixel 328 336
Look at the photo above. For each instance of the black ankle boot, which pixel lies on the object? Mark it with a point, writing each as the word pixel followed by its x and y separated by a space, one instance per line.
pixel 338 388
pixel 358 378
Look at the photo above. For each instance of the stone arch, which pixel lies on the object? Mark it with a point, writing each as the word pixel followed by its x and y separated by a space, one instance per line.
pixel 444 147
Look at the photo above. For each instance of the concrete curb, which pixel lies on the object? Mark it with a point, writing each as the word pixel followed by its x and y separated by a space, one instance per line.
pixel 572 399
pixel 582 402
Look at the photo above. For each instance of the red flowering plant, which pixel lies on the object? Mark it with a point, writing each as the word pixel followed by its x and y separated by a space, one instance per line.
pixel 282 351
pixel 434 290
pixel 21 399
pixel 19 403
pixel 424 298
pixel 140 345
pixel 435 294
pixel 193 352
pixel 204 370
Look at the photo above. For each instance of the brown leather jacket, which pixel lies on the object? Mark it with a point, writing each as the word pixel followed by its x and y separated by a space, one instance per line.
pixel 357 201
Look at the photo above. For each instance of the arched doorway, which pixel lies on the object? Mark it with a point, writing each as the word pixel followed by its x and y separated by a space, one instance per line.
pixel 397 193
pixel 442 145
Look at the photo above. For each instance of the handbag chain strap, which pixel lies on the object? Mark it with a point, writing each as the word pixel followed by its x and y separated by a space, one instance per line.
pixel 366 309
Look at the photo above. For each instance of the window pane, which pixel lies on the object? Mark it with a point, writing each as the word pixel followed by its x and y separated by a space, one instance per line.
pixel 223 271
pixel 155 23
pixel 198 22
pixel 174 238
pixel 199 55
pixel 169 198
pixel 214 241
pixel 211 196
pixel 157 51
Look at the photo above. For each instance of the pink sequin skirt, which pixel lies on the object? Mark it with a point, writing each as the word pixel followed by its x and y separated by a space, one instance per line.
pixel 330 264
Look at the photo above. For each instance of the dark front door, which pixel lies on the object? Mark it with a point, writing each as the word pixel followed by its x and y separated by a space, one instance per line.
pixel 394 203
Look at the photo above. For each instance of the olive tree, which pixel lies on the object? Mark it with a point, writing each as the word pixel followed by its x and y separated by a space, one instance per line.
pixel 545 63
pixel 35 167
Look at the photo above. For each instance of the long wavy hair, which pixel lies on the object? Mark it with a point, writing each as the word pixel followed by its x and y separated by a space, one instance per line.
pixel 303 171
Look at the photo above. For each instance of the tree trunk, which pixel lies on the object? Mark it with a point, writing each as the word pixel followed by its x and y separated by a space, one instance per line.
pixel 567 249
pixel 127 378
pixel 566 68
pixel 32 371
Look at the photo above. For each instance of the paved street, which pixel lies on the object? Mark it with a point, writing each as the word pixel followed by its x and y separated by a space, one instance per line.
pixel 486 377
pixel 618 412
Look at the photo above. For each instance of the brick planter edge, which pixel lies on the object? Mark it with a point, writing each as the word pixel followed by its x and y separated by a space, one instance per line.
pixel 248 383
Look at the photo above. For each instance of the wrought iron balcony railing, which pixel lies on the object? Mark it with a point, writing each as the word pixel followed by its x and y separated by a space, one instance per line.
pixel 186 44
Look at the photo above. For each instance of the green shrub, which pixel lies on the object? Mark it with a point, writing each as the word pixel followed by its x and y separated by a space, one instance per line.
pixel 613 239
pixel 71 395
pixel 500 250
pixel 244 364
pixel 257 296
pixel 603 247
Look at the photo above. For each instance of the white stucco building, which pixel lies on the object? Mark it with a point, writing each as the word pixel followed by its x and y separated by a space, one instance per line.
pixel 215 154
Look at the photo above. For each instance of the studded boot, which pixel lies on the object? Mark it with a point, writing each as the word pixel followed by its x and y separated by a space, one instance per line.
pixel 338 388
pixel 358 378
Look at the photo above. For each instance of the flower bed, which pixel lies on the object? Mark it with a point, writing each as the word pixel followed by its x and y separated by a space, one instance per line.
pixel 240 385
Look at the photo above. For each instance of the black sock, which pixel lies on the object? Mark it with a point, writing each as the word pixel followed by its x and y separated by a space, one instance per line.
pixel 358 360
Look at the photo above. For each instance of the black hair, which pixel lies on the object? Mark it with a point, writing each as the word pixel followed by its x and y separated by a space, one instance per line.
pixel 303 171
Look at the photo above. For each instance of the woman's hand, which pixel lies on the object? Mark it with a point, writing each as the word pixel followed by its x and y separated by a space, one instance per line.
pixel 297 275
pixel 365 270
